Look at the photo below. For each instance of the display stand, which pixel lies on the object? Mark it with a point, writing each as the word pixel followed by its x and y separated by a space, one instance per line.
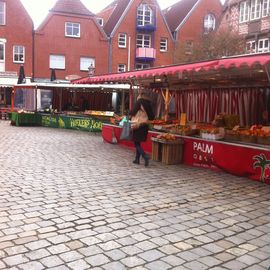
pixel 168 152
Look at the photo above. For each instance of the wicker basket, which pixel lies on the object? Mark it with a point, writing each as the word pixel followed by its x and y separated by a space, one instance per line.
pixel 248 138
pixel 263 140
pixel 231 135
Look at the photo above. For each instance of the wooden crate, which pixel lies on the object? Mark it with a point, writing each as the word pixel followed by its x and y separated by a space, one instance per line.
pixel 168 152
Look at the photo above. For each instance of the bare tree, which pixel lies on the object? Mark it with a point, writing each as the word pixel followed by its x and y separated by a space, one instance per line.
pixel 211 46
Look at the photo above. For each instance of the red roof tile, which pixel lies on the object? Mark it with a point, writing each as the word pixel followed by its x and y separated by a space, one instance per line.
pixel 120 6
pixel 176 13
pixel 71 7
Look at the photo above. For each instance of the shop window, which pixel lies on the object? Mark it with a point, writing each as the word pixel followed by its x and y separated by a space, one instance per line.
pixel 57 61
pixel 255 9
pixel 143 41
pixel 265 8
pixel 263 45
pixel 209 23
pixel 86 62
pixel 2 13
pixel 244 12
pixel 163 44
pixel 122 40
pixel 144 15
pixel 72 29
pixel 18 54
pixel 121 68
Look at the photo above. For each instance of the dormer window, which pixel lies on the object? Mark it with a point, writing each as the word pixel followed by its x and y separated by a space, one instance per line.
pixel 100 21
pixel 2 13
pixel 72 29
pixel 209 23
pixel 144 15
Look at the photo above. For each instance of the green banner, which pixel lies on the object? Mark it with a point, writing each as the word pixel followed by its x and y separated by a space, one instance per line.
pixel 49 121
pixel 80 123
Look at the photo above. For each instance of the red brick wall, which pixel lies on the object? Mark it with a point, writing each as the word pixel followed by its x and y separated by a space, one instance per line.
pixel 193 28
pixel 17 31
pixel 128 26
pixel 50 39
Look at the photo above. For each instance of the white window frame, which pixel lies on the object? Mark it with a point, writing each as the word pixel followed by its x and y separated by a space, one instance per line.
pixel 251 46
pixel 144 15
pixel 122 40
pixel 121 68
pixel 73 26
pixel 86 62
pixel 140 66
pixel 189 47
pixel 142 40
pixel 2 13
pixel 19 51
pixel 265 8
pixel 244 12
pixel 209 23
pixel 57 61
pixel 255 9
pixel 2 60
pixel 100 21
pixel 163 45
pixel 263 45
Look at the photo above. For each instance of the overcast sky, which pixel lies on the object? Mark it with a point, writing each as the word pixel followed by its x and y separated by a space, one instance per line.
pixel 39 9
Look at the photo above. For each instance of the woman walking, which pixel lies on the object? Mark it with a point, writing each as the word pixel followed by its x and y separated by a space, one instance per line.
pixel 140 114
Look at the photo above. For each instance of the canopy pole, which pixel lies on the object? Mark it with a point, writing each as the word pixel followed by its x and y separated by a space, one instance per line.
pixel 36 99
pixel 60 99
pixel 167 101
pixel 267 73
pixel 131 92
pixel 123 103
pixel 13 94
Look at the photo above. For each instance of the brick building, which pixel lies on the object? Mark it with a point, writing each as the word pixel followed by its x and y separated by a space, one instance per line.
pixel 189 20
pixel 16 45
pixel 250 19
pixel 138 35
pixel 69 41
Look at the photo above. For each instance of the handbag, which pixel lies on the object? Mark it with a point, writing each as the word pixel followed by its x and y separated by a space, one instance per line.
pixel 126 133
pixel 139 118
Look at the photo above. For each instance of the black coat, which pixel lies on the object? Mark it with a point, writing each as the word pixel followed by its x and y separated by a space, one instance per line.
pixel 140 134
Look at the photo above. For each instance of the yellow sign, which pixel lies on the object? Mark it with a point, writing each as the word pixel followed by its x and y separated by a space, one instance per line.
pixel 183 119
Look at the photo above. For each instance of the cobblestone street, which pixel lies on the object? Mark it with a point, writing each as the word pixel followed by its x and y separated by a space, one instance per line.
pixel 70 201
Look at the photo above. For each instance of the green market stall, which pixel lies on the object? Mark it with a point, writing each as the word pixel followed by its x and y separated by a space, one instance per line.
pixel 43 105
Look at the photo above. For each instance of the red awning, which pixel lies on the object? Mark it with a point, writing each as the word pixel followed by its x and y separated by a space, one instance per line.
pixel 237 62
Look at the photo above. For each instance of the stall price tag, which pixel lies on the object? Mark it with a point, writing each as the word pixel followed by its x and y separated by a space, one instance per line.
pixel 183 119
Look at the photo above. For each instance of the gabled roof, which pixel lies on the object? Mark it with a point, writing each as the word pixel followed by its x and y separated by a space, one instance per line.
pixel 71 7
pixel 176 13
pixel 120 7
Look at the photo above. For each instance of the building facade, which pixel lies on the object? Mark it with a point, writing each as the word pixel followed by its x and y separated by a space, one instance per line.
pixel 189 21
pixel 16 45
pixel 138 35
pixel 250 19
pixel 71 42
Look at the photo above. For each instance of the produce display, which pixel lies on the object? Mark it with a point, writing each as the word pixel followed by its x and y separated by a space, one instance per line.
pixel 224 127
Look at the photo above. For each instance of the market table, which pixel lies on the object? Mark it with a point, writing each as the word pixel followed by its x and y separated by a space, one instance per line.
pixel 246 160
pixel 25 119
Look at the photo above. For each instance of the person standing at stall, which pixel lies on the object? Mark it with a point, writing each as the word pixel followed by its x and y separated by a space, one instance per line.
pixel 141 113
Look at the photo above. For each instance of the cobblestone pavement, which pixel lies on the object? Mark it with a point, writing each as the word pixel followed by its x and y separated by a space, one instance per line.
pixel 70 201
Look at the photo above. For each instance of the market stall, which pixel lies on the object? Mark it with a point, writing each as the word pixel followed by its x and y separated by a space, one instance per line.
pixel 221 111
pixel 66 105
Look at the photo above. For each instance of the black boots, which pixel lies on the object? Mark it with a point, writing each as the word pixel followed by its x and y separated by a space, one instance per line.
pixel 146 161
pixel 136 161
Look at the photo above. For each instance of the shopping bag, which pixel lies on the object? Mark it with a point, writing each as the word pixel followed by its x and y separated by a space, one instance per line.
pixel 126 131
